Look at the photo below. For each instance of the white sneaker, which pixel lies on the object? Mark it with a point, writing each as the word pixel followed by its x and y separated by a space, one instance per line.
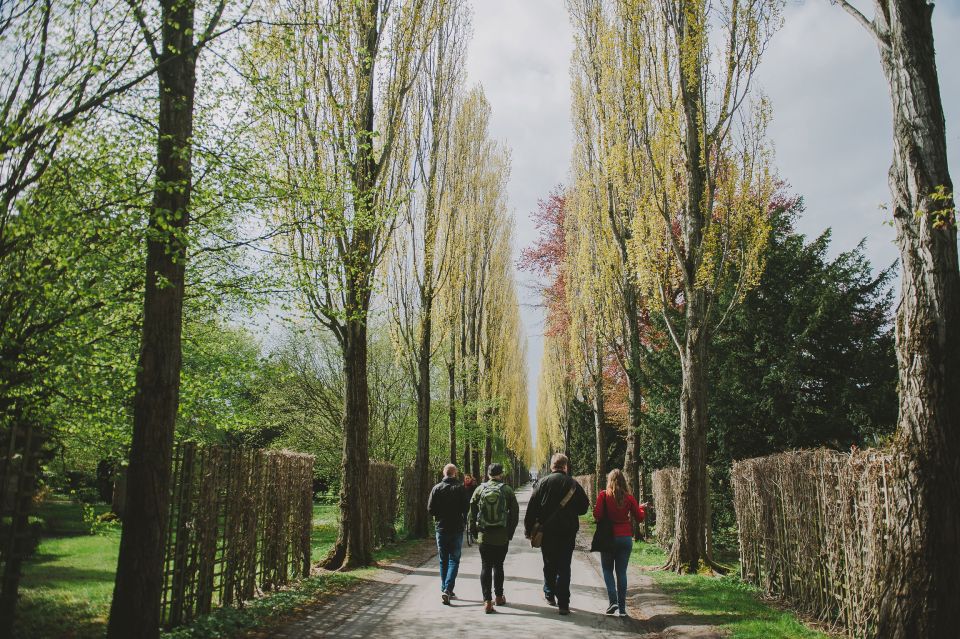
pixel 622 613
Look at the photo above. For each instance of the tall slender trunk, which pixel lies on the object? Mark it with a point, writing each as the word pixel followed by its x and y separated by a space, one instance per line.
pixel 599 422
pixel 477 471
pixel 633 463
pixel 421 520
pixel 487 442
pixel 135 609
pixel 689 545
pixel 354 546
pixel 631 459
pixel 922 585
pixel 452 398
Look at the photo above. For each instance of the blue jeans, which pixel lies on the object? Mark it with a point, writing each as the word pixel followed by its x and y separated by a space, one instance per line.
pixel 617 561
pixel 448 548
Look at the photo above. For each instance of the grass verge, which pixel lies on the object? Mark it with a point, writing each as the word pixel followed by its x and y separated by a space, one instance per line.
pixel 67 585
pixel 725 602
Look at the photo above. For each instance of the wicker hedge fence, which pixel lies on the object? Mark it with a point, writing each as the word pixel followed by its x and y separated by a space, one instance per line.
pixel 587 482
pixel 240 524
pixel 813 527
pixel 666 484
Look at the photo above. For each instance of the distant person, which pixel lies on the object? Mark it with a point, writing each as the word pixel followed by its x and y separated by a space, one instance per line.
pixel 616 505
pixel 493 518
pixel 470 484
pixel 448 505
pixel 555 508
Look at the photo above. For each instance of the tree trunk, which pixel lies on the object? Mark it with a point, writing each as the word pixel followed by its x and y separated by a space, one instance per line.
pixel 632 466
pixel 354 547
pixel 135 610
pixel 477 471
pixel 487 445
pixel 421 519
pixel 451 378
pixel 922 586
pixel 689 545
pixel 599 426
pixel 26 442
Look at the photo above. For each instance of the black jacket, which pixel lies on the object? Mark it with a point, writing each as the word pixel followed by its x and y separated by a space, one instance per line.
pixel 545 501
pixel 448 504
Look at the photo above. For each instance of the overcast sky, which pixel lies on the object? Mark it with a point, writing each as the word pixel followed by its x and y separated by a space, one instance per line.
pixel 831 127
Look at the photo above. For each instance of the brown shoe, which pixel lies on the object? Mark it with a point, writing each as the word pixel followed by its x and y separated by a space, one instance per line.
pixel 488 607
pixel 501 600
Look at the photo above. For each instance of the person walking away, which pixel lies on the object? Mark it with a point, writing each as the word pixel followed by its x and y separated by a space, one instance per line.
pixel 555 508
pixel 448 505
pixel 493 518
pixel 616 505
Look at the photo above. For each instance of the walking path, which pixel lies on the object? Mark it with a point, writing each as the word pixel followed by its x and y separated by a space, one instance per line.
pixel 404 601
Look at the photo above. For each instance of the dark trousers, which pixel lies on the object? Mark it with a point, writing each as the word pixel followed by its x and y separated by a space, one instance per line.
pixel 556 570
pixel 491 569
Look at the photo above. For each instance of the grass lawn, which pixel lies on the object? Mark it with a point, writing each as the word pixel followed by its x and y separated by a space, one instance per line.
pixel 726 602
pixel 67 585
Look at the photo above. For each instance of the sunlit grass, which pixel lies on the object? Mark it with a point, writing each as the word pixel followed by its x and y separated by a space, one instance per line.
pixel 67 585
pixel 725 602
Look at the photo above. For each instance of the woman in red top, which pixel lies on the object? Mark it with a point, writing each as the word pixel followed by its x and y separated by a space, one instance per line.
pixel 617 505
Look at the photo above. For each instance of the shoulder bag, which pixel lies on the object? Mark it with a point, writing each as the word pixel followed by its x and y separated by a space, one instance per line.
pixel 603 535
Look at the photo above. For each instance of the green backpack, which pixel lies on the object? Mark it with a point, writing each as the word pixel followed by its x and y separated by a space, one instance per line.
pixel 492 511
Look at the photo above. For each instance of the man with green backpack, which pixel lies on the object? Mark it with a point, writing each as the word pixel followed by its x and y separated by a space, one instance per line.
pixel 493 518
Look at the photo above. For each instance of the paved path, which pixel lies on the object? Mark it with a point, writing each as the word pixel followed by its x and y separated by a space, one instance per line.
pixel 405 602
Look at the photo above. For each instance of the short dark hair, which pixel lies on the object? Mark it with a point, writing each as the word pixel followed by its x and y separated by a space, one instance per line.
pixel 559 461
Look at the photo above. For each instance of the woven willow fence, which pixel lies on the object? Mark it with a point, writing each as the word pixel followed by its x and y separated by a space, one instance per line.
pixel 384 499
pixel 587 482
pixel 240 523
pixel 813 527
pixel 666 486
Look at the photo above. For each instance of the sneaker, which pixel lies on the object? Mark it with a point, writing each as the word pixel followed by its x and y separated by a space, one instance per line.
pixel 622 614
pixel 488 607
pixel 446 599
pixel 501 600
pixel 612 609
pixel 564 611
pixel 551 599
pixel 452 594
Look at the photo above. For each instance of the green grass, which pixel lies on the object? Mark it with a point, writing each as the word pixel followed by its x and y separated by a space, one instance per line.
pixel 68 584
pixel 725 602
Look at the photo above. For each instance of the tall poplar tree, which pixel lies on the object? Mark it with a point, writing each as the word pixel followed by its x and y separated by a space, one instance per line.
pixel 335 78
pixel 702 218
pixel 422 255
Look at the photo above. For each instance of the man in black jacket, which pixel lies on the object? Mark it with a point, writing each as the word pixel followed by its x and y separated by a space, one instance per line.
pixel 560 524
pixel 448 504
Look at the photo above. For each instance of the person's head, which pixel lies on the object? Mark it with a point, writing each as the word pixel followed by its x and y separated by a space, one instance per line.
pixel 450 471
pixel 559 463
pixel 617 485
pixel 495 471
pixel 467 479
